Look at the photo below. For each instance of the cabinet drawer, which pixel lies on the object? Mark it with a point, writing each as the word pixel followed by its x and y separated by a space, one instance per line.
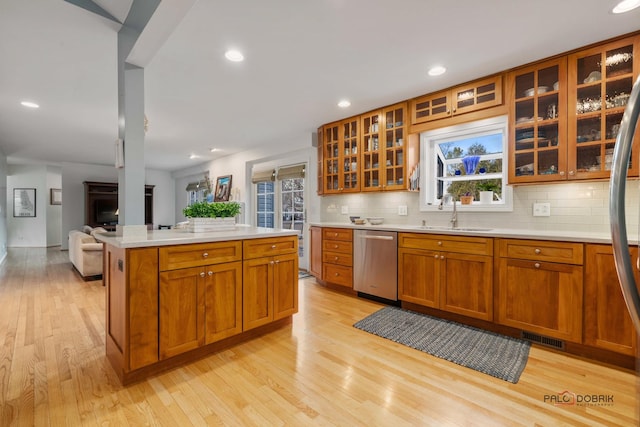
pixel 184 256
pixel 256 248
pixel 337 234
pixel 540 250
pixel 338 274
pixel 337 246
pixel 337 258
pixel 438 242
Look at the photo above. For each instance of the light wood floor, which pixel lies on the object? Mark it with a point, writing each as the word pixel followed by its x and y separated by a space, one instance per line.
pixel 318 371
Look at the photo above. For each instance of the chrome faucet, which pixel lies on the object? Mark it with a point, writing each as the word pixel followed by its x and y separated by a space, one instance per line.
pixel 454 214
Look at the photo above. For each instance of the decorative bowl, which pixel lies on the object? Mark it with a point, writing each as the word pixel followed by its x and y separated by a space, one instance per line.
pixel 375 220
pixel 359 221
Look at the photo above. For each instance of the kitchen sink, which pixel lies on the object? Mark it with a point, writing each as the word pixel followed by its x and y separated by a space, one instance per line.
pixel 448 228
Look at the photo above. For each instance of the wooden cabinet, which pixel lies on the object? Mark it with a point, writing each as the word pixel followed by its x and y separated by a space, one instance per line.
pixel 270 283
pixel 538 122
pixel 607 323
pixel 540 287
pixel 341 158
pixel 200 295
pixel 337 256
pixel 600 82
pixel 473 96
pixel 451 273
pixel 384 156
pixel 101 204
pixel 315 255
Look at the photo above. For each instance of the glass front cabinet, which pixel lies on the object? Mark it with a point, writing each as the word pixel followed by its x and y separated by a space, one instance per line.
pixel 538 136
pixel 600 82
pixel 383 149
pixel 341 156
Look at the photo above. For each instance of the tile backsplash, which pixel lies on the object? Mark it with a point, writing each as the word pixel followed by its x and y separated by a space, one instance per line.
pixel 579 206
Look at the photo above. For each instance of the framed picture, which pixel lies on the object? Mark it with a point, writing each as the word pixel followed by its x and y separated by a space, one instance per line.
pixel 24 202
pixel 56 196
pixel 223 189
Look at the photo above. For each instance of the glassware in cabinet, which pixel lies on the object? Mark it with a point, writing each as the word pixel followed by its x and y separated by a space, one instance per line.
pixel 538 148
pixel 331 158
pixel 395 133
pixel 600 85
pixel 350 139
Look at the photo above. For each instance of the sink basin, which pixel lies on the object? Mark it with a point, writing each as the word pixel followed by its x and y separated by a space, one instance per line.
pixel 447 228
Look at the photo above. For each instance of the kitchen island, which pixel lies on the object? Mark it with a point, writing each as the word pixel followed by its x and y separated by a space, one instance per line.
pixel 175 296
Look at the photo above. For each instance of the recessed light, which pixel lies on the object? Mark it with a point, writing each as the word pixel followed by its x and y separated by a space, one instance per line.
pixel 437 70
pixel 213 150
pixel 29 104
pixel 344 103
pixel 234 55
pixel 626 6
pixel 193 156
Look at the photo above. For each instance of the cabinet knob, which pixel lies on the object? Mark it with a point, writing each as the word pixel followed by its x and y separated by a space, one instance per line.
pixel 273 246
pixel 336 274
pixel 336 258
pixel 439 243
pixel 561 173
pixel 571 173
pixel 537 251
pixel 335 246
pixel 271 262
pixel 335 234
pixel 436 256
pixel 536 265
pixel 277 261
pixel 210 273
pixel 204 255
pixel 202 274
pixel 441 256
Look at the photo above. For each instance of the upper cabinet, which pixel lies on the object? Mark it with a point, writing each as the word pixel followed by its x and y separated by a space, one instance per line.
pixel 383 149
pixel 600 82
pixel 462 99
pixel 537 128
pixel 341 156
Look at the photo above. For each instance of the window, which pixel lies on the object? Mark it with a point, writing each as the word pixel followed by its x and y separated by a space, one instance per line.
pixel 465 160
pixel 265 213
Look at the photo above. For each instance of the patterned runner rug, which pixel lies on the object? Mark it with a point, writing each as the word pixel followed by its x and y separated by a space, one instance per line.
pixel 487 352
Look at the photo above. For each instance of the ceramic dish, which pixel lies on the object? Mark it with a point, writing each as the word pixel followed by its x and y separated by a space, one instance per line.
pixel 359 221
pixel 531 91
pixel 375 220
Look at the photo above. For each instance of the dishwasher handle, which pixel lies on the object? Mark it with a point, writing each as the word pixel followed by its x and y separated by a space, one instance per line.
pixel 378 237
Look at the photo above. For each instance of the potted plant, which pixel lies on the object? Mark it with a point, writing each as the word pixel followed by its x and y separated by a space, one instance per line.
pixel 485 188
pixel 211 216
pixel 466 199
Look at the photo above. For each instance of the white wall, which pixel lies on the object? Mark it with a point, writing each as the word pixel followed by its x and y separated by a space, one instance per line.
pixel 3 206
pixel 164 200
pixel 577 206
pixel 27 231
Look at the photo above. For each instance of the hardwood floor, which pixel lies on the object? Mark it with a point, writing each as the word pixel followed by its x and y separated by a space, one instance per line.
pixel 317 371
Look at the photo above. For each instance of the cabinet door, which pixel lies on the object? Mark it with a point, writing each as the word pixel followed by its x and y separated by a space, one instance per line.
pixel 331 158
pixel 350 156
pixel 430 107
pixel 600 82
pixel 477 95
pixel 285 286
pixel 223 301
pixel 393 164
pixel 467 285
pixel 537 132
pixel 315 257
pixel 257 293
pixel 181 310
pixel 372 154
pixel 418 272
pixel 541 297
pixel 320 162
pixel 607 323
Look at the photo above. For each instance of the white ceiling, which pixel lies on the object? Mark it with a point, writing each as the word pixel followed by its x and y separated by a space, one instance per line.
pixel 301 58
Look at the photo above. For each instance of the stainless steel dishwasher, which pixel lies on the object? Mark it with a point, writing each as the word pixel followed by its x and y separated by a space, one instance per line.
pixel 375 263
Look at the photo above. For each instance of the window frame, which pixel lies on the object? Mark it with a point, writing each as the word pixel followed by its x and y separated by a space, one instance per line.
pixel 429 201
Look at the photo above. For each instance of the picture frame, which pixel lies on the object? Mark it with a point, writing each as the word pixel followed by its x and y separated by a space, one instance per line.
pixel 55 196
pixel 223 189
pixel 24 202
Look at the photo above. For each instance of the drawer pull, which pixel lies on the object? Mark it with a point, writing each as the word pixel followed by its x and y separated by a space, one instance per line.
pixel 439 243
pixel 336 258
pixel 536 265
pixel 335 234
pixel 210 273
pixel 204 255
pixel 202 274
pixel 335 246
pixel 336 274
pixel 273 246
pixel 537 251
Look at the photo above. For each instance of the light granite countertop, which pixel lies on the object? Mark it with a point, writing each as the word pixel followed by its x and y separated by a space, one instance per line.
pixel 183 236
pixel 556 235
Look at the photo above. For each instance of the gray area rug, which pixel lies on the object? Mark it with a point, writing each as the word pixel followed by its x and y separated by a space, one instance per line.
pixel 487 352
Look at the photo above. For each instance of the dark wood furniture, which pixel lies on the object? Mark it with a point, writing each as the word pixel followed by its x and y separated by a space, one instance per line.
pixel 101 204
